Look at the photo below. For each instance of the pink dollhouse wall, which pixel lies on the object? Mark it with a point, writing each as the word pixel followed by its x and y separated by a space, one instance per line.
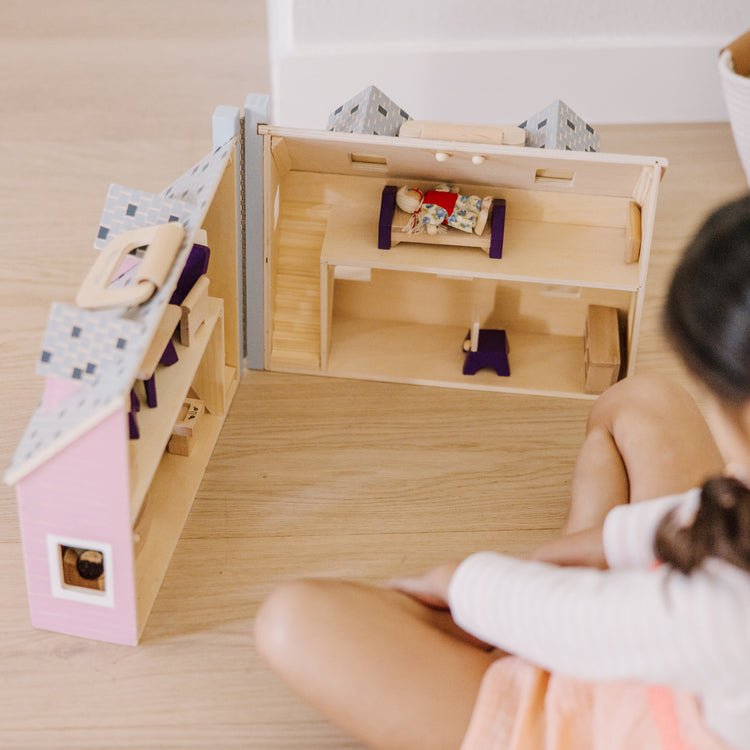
pixel 81 493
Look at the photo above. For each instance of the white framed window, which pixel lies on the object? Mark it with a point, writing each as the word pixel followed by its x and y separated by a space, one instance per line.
pixel 81 570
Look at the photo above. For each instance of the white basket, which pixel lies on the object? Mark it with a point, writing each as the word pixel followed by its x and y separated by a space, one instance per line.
pixel 737 96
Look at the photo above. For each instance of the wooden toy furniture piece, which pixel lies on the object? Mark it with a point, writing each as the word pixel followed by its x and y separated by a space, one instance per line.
pixel 161 341
pixel 185 429
pixel 602 348
pixel 393 221
pixel 194 310
pixel 578 232
pixel 485 347
pixel 86 491
pixel 491 350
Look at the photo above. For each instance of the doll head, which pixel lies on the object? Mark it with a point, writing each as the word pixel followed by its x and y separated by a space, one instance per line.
pixel 408 199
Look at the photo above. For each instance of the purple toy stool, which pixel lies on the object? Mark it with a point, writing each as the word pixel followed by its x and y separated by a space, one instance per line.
pixel 492 351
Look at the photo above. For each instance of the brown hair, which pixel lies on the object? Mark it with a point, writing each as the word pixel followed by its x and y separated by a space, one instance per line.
pixel 707 311
pixel 707 318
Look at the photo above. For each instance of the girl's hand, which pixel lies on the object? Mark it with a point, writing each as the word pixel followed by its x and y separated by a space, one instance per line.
pixel 431 589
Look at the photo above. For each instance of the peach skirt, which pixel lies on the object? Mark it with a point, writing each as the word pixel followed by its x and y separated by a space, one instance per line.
pixel 522 707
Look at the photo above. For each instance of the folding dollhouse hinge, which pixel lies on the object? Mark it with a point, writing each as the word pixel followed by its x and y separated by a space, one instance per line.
pixel 243 236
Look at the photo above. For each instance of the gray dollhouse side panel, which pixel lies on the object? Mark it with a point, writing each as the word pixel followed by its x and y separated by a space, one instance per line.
pixel 226 124
pixel 256 112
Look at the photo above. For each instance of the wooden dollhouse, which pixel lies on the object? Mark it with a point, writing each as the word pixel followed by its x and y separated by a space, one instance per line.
pixel 576 237
pixel 101 502
pixel 138 383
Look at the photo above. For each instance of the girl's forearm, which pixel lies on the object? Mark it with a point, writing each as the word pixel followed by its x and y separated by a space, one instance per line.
pixel 583 548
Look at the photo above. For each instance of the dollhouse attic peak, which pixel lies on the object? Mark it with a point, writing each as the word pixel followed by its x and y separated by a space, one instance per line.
pixel 90 358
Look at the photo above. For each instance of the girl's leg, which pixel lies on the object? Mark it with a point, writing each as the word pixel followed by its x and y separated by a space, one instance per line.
pixel 645 438
pixel 384 668
pixel 396 674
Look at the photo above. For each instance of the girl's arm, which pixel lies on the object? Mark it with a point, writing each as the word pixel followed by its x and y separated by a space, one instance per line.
pixel 583 548
pixel 431 589
pixel 655 626
pixel 626 539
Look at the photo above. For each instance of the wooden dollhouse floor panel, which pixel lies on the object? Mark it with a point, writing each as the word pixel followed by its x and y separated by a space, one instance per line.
pixel 547 251
pixel 433 355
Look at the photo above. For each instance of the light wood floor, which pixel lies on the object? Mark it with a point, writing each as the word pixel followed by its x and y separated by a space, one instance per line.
pixel 311 475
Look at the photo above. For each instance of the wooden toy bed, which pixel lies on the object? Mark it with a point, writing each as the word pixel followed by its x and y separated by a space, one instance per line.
pixel 393 220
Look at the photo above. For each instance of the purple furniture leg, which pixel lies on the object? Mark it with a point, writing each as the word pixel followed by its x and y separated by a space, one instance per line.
pixel 387 210
pixel 195 266
pixel 135 406
pixel 151 391
pixel 498 228
pixel 169 356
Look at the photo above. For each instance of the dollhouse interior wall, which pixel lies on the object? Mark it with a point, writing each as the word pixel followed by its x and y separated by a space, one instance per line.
pixel 345 183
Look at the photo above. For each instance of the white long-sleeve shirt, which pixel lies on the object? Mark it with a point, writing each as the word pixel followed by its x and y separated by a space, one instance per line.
pixel 631 622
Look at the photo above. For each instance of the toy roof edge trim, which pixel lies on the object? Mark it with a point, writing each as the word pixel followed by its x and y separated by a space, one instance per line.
pixel 15 474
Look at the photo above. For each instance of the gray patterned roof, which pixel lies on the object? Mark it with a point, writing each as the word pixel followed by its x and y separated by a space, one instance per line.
pixel 101 350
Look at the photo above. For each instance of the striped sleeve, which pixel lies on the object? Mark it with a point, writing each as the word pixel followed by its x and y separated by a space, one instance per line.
pixel 630 530
pixel 654 625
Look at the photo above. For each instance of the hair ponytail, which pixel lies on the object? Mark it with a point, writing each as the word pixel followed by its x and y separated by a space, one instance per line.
pixel 721 528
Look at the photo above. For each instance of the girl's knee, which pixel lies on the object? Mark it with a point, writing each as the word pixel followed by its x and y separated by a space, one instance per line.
pixel 642 397
pixel 280 618
pixel 300 615
pixel 657 428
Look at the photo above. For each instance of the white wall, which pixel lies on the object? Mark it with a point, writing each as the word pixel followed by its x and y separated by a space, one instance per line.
pixel 634 61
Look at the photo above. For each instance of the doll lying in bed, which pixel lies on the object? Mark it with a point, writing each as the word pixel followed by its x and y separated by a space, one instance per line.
pixel 444 205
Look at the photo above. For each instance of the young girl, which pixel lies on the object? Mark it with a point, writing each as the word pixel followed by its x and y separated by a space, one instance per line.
pixel 632 630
